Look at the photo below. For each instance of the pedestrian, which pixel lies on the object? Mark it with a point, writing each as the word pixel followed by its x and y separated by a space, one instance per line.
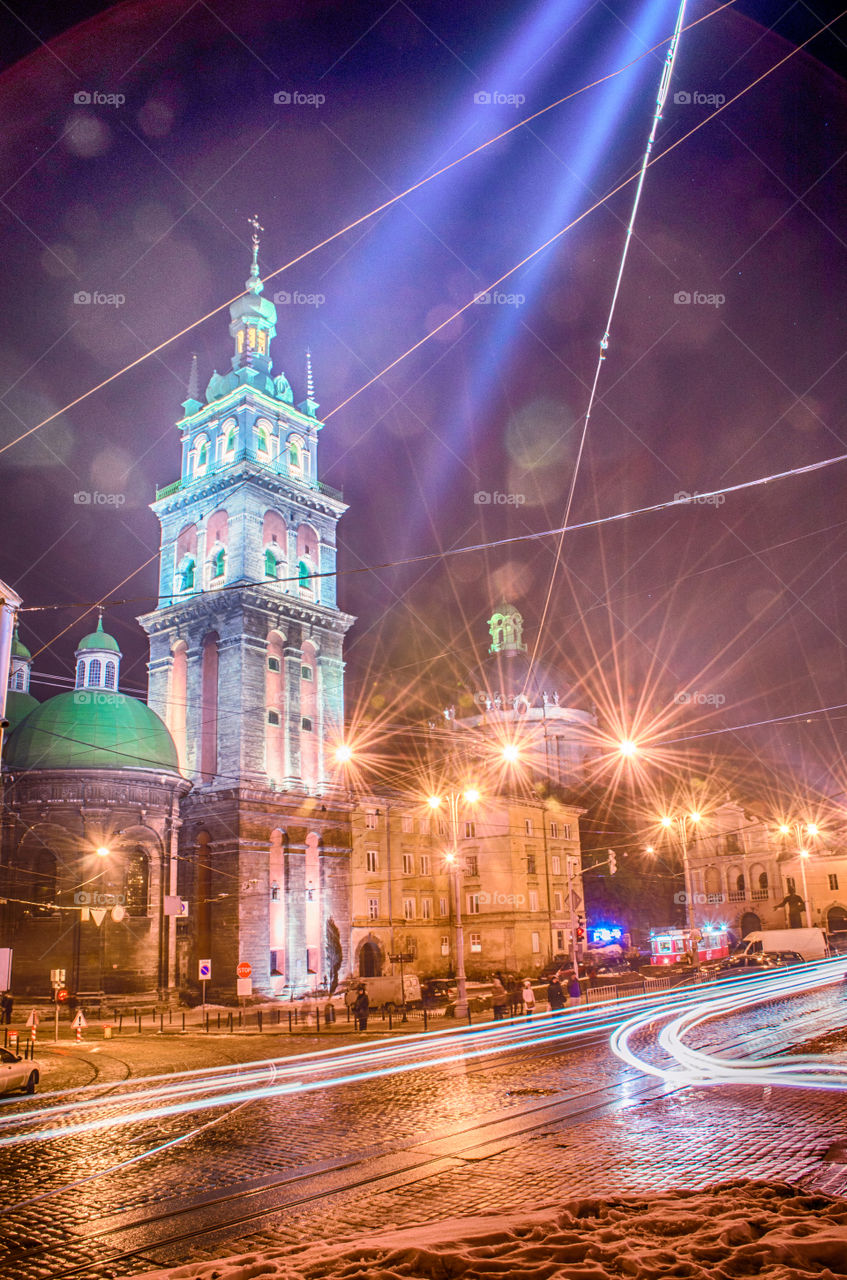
pixel 499 997
pixel 574 991
pixel 555 996
pixel 361 1008
pixel 6 1005
pixel 515 997
pixel 527 998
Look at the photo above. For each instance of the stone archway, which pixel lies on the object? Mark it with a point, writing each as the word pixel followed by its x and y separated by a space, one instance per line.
pixel 370 959
pixel 836 919
pixel 750 923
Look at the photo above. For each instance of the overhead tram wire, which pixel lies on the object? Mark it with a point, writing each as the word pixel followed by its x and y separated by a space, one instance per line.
pixel 661 98
pixel 365 217
pixel 269 583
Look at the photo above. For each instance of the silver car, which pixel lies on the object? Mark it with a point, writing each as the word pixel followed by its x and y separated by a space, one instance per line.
pixel 17 1073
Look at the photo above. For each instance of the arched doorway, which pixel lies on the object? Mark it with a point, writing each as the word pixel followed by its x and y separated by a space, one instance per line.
pixel 836 920
pixel 370 960
pixel 750 923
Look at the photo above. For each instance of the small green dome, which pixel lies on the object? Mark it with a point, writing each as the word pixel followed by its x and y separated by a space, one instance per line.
pixel 92 729
pixel 99 639
pixel 20 650
pixel 18 707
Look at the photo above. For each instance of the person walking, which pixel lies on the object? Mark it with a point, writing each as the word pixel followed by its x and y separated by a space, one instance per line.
pixel 361 1009
pixel 6 1005
pixel 556 995
pixel 527 998
pixel 574 990
pixel 499 997
pixel 515 997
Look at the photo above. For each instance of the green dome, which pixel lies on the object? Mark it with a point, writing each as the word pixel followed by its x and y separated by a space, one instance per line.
pixel 98 639
pixel 92 729
pixel 18 707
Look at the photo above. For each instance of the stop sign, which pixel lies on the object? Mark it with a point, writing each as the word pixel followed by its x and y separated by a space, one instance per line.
pixel 244 969
pixel 62 994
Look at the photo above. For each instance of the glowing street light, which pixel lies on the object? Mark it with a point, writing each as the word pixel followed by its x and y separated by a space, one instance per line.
pixel 103 852
pixel 343 753
pixel 511 753
pixel 628 748
pixel 811 829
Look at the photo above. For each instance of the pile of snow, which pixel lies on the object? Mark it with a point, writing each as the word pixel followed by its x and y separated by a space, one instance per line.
pixel 735 1229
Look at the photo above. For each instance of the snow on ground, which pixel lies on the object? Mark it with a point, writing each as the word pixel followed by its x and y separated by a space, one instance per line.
pixel 734 1229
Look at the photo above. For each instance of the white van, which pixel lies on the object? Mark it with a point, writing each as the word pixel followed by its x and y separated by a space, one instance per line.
pixel 387 993
pixel 810 943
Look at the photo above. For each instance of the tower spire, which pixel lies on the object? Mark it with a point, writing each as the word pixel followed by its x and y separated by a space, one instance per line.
pixel 310 380
pixel 254 283
pixel 192 401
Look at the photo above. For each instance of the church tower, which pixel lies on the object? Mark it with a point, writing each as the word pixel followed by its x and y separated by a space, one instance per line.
pixel 246 661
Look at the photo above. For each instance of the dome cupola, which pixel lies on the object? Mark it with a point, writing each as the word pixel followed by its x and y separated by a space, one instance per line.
pixel 98 659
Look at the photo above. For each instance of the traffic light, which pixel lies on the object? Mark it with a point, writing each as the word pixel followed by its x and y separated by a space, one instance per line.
pixel 580 926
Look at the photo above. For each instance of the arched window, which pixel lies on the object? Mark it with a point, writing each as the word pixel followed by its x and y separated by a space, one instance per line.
pixel 94 669
pixel 294 454
pixel 262 440
pixel 202 457
pixel 19 679
pixel 218 562
pixel 271 564
pixel 186 573
pixel 137 883
pixel 80 674
pixel 229 441
pixel 109 676
pixel 763 879
pixel 304 575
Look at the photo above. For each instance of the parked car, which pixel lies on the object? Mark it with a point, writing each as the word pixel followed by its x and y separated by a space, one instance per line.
pixel 739 966
pixel 437 991
pixel 786 957
pixel 17 1073
pixel 838 943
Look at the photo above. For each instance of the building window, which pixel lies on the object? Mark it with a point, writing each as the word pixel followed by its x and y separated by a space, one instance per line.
pixel 407 824
pixel 273 664
pixel 733 844
pixel 218 562
pixel 371 820
pixel 833 882
pixel 306 673
pixel 271 567
pixel 573 867
pixel 426 864
pixel 109 676
pixel 373 908
pixel 94 673
pixel 186 574
pixel 80 674
pixel 472 864
pixel 536 943
pixel 558 904
pixel 372 860
pixel 445 944
pixel 791 884
pixel 442 827
pixel 530 865
pixel 560 940
pixel 556 865
pixel 554 830
pixel 442 906
pixel 273 717
pixel 202 457
pixel 566 831
pixel 262 440
pixel 229 446
pixel 527 826
pixel 476 942
pixel 533 899
pixel 305 723
pixel 408 908
pixel 426 908
pixel 473 904
pixel 408 864
pixel 470 830
pixel 136 885
pixel 304 576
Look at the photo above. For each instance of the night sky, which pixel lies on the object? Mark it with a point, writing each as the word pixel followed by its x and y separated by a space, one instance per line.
pixel 705 617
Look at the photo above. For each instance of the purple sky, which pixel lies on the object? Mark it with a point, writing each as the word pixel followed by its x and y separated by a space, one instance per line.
pixel 739 604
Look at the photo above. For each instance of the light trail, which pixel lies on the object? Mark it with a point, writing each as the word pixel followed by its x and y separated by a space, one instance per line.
pixel 691 1066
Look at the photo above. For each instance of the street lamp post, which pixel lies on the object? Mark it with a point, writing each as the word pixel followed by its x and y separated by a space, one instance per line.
pixel 452 800
pixel 803 854
pixel 680 822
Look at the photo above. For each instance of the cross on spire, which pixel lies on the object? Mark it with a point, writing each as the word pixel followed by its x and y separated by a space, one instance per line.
pixel 254 284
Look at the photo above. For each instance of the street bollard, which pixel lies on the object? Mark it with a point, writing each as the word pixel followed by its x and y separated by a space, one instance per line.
pixel 219 1019
pixel 289 1022
pixel 161 1024
pixel 259 1020
pixel 470 1024
pixel 120 1022
pixel 241 1017
pixel 425 1023
pixel 389 1020
pixel 183 1021
pixel 278 1014
pixel 207 1024
pixel 230 1022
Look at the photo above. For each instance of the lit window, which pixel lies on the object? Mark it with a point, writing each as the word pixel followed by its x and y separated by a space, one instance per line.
pixel 473 904
pixel 533 899
pixel 536 943
pixel 371 818
pixel 426 908
pixel 408 908
pixel 273 717
pixel 408 864
pixel 372 860
pixel 426 864
pixel 476 942
pixel 556 864
pixel 373 908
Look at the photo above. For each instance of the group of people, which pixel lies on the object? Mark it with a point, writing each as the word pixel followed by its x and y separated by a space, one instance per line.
pixel 519 997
